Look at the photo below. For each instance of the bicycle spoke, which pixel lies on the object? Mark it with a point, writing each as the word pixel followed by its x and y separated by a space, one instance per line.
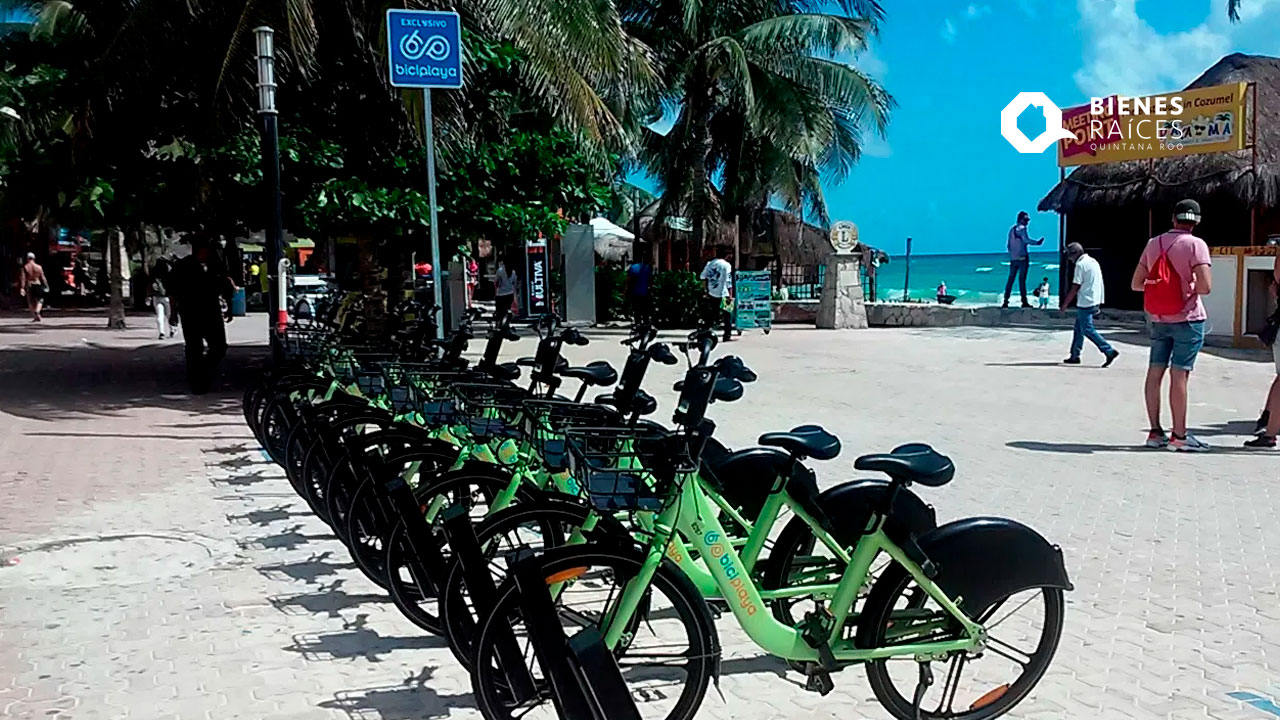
pixel 951 684
pixel 1011 612
pixel 992 642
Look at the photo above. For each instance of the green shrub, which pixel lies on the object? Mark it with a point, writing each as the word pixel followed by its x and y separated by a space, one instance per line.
pixel 677 299
pixel 611 287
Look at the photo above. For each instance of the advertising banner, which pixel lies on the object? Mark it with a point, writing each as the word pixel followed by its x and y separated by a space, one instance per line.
pixel 752 290
pixel 1188 122
pixel 539 295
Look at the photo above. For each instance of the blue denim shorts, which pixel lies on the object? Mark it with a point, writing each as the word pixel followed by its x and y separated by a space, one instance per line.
pixel 1176 344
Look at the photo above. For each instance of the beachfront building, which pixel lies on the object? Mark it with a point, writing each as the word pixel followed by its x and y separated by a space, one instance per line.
pixel 1112 208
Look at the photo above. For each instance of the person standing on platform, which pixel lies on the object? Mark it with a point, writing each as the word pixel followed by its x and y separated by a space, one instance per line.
pixel 1019 259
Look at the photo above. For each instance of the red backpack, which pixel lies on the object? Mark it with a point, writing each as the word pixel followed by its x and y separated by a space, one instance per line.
pixel 1163 294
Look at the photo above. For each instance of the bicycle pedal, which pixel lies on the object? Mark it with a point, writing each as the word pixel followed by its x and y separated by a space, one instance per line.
pixel 818 680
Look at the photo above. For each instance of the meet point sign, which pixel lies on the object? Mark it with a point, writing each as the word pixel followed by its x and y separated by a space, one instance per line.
pixel 1117 128
pixel 424 48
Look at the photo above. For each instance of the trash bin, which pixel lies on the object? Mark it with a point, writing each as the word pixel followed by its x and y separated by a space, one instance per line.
pixel 237 303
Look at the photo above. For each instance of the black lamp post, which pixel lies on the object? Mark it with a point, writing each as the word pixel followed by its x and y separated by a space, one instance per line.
pixel 277 309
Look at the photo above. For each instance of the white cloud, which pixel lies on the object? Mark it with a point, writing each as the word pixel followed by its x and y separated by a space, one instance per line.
pixel 973 12
pixel 1124 54
pixel 948 30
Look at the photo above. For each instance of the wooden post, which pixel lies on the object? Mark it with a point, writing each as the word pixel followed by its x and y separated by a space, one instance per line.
pixel 906 283
pixel 737 244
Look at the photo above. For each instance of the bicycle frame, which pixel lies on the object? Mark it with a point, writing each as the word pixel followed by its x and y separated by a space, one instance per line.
pixel 692 516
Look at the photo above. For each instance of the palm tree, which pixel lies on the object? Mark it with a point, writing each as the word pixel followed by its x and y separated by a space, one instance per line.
pixel 1233 10
pixel 756 84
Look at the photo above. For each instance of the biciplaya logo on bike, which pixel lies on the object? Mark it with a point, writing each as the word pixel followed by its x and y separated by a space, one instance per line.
pixel 718 554
pixel 1115 123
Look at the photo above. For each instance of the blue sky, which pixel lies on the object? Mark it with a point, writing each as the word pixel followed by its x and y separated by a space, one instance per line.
pixel 943 175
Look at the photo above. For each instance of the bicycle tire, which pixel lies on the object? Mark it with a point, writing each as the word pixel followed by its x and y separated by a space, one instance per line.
pixel 456 613
pixel 367 521
pixel 407 596
pixel 875 620
pixel 704 648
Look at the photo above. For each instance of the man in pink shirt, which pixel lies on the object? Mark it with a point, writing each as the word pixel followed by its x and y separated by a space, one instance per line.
pixel 1176 339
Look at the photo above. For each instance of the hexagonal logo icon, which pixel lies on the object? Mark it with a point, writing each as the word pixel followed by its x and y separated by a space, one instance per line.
pixel 1053 130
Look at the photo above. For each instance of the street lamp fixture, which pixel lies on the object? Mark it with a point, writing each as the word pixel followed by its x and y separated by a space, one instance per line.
pixel 266 69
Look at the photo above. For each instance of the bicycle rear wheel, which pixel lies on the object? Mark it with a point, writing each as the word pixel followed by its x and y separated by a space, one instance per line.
pixel 1023 630
pixel 666 662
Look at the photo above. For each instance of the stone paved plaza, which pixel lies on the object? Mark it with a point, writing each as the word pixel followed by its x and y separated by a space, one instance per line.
pixel 154 565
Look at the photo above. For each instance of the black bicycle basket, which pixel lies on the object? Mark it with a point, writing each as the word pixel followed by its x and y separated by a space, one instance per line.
pixel 490 410
pixel 621 468
pixel 545 421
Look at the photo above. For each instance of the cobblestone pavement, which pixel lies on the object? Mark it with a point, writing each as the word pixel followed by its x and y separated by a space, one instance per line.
pixel 154 565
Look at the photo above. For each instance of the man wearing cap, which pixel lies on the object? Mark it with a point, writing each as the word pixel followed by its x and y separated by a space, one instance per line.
pixel 32 285
pixel 1019 259
pixel 1179 260
pixel 1089 293
pixel 198 282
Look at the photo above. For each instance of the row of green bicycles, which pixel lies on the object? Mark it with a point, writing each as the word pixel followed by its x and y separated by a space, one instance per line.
pixel 454 479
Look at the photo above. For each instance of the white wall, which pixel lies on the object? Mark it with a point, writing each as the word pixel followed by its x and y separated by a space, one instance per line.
pixel 1221 303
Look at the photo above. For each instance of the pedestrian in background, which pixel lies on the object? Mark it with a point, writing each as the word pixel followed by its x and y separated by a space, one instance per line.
pixel 1089 292
pixel 719 299
pixel 1269 422
pixel 639 278
pixel 1042 292
pixel 160 298
pixel 199 286
pixel 504 282
pixel 1172 274
pixel 1019 259
pixel 33 285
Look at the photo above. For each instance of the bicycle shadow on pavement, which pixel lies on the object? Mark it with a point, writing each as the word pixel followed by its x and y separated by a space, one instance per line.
pixel 308 571
pixel 1091 448
pixel 358 643
pixel 329 600
pixel 290 539
pixel 413 699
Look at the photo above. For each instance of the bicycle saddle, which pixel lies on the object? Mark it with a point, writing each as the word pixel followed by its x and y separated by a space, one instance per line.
pixel 805 441
pixel 643 404
pixel 595 373
pixel 505 371
pixel 914 462
pixel 561 363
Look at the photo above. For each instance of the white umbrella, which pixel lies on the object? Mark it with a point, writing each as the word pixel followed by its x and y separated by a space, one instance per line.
pixel 612 242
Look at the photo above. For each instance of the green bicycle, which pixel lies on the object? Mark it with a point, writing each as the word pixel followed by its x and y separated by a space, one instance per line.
pixel 949 596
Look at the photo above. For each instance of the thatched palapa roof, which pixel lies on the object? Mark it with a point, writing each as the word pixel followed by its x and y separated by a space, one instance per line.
pixel 1167 180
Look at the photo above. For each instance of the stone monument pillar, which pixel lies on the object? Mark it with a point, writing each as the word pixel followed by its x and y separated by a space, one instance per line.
pixel 842 304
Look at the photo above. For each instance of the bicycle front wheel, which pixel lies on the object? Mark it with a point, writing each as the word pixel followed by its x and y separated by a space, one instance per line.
pixel 666 658
pixel 1023 630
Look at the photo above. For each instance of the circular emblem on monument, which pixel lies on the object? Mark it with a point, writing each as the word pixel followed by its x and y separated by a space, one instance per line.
pixel 844 236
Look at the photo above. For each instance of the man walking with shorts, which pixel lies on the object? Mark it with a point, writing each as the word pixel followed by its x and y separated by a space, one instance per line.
pixel 1173 273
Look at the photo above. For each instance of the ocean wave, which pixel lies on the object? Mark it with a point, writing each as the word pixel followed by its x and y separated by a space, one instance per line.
pixel 983 269
pixel 1005 264
pixel 1051 266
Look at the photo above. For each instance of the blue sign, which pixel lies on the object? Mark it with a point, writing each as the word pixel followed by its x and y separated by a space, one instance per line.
pixel 425 48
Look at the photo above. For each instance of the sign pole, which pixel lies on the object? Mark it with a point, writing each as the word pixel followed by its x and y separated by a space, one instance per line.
pixel 437 276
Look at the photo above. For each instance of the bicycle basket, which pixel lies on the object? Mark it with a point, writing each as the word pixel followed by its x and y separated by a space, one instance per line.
pixel 607 462
pixel 490 410
pixel 544 422
pixel 303 345
pixel 360 368
pixel 422 388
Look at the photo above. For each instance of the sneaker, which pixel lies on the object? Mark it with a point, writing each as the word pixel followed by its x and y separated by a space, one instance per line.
pixel 1262 442
pixel 1005 306
pixel 1190 443
pixel 1263 419
pixel 1026 305
pixel 1111 357
pixel 1071 361
pixel 1157 439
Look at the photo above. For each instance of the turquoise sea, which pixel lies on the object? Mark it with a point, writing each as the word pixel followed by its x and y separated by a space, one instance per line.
pixel 973 279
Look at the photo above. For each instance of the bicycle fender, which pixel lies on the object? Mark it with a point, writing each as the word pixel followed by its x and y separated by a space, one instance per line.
pixel 849 508
pixel 984 559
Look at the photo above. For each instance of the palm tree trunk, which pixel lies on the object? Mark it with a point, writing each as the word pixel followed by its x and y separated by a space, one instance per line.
pixel 115 270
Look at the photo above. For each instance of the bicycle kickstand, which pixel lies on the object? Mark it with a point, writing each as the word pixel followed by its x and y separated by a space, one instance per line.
pixel 926 679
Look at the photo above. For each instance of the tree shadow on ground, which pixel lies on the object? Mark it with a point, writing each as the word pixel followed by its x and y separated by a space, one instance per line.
pixel 412 699
pixel 67 382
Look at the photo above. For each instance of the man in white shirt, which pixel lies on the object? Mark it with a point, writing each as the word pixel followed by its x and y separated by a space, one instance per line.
pixel 1088 292
pixel 719 276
